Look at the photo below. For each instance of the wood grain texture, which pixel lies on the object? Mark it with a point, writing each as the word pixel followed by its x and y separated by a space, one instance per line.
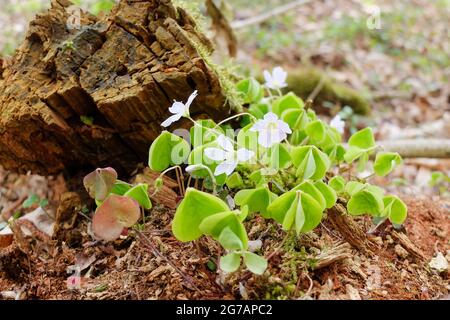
pixel 123 70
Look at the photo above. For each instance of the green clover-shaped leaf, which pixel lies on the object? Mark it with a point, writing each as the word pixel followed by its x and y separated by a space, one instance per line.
pixel 215 224
pixel 322 135
pixel 297 119
pixel 230 262
pixel 394 209
pixel 255 263
pixel 385 162
pixel 353 187
pixel 258 110
pixel 167 150
pixel 229 240
pixel 234 180
pixel 204 131
pixel 140 194
pixel 257 199
pixel 250 90
pixel 279 156
pixel 313 191
pixel 361 144
pixel 311 163
pixel 192 210
pixel 337 183
pixel 328 193
pixel 365 201
pixel 121 187
pixel 288 101
pixel 336 153
pixel 296 208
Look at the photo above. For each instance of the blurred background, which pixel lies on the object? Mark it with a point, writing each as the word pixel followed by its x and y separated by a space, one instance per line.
pixel 384 64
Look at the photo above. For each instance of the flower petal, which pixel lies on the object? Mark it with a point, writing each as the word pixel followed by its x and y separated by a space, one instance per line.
pixel 244 154
pixel 267 76
pixel 259 125
pixel 191 168
pixel 177 108
pixel 215 154
pixel 283 126
pixel 338 124
pixel 264 138
pixel 190 99
pixel 279 75
pixel 226 167
pixel 225 143
pixel 270 116
pixel 171 120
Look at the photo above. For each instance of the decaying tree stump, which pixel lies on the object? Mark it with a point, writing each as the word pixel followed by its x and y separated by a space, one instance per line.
pixel 123 71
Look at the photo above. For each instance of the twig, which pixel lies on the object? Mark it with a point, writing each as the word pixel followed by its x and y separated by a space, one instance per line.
pixel 418 148
pixel 277 249
pixel 317 89
pixel 238 24
pixel 297 286
pixel 157 253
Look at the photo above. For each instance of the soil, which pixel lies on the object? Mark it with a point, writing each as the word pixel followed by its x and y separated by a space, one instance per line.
pixel 152 264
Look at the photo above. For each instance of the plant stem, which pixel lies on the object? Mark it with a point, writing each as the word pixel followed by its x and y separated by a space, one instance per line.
pixel 210 129
pixel 279 92
pixel 177 171
pixel 213 178
pixel 235 116
pixel 277 249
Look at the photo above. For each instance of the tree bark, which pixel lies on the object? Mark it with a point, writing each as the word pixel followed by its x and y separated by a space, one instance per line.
pixel 123 71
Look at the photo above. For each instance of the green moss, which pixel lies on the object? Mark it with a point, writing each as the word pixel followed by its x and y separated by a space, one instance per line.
pixel 303 81
pixel 224 73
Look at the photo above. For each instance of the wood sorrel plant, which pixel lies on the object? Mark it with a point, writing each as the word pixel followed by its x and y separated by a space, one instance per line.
pixel 118 203
pixel 284 164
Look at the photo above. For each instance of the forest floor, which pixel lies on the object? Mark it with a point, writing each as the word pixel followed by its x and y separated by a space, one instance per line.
pixel 403 69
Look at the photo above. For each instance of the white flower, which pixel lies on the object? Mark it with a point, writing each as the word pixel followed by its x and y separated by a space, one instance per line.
pixel 338 123
pixel 227 155
pixel 179 110
pixel 191 168
pixel 271 130
pixel 277 79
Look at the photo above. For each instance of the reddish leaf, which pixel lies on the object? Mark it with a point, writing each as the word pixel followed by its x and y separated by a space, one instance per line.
pixel 114 214
pixel 100 182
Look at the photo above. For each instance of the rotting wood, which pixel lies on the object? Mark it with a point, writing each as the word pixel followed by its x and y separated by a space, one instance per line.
pixel 404 241
pixel 123 71
pixel 337 253
pixel 349 229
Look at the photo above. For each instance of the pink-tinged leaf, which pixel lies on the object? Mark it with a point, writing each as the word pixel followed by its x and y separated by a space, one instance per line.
pixel 100 182
pixel 113 215
pixel 105 225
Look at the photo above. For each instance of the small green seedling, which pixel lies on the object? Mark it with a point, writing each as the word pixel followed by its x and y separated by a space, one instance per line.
pixel 34 199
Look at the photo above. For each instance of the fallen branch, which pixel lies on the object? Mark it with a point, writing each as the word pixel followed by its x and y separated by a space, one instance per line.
pixel 418 148
pixel 338 252
pixel 238 24
pixel 349 229
pixel 409 246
